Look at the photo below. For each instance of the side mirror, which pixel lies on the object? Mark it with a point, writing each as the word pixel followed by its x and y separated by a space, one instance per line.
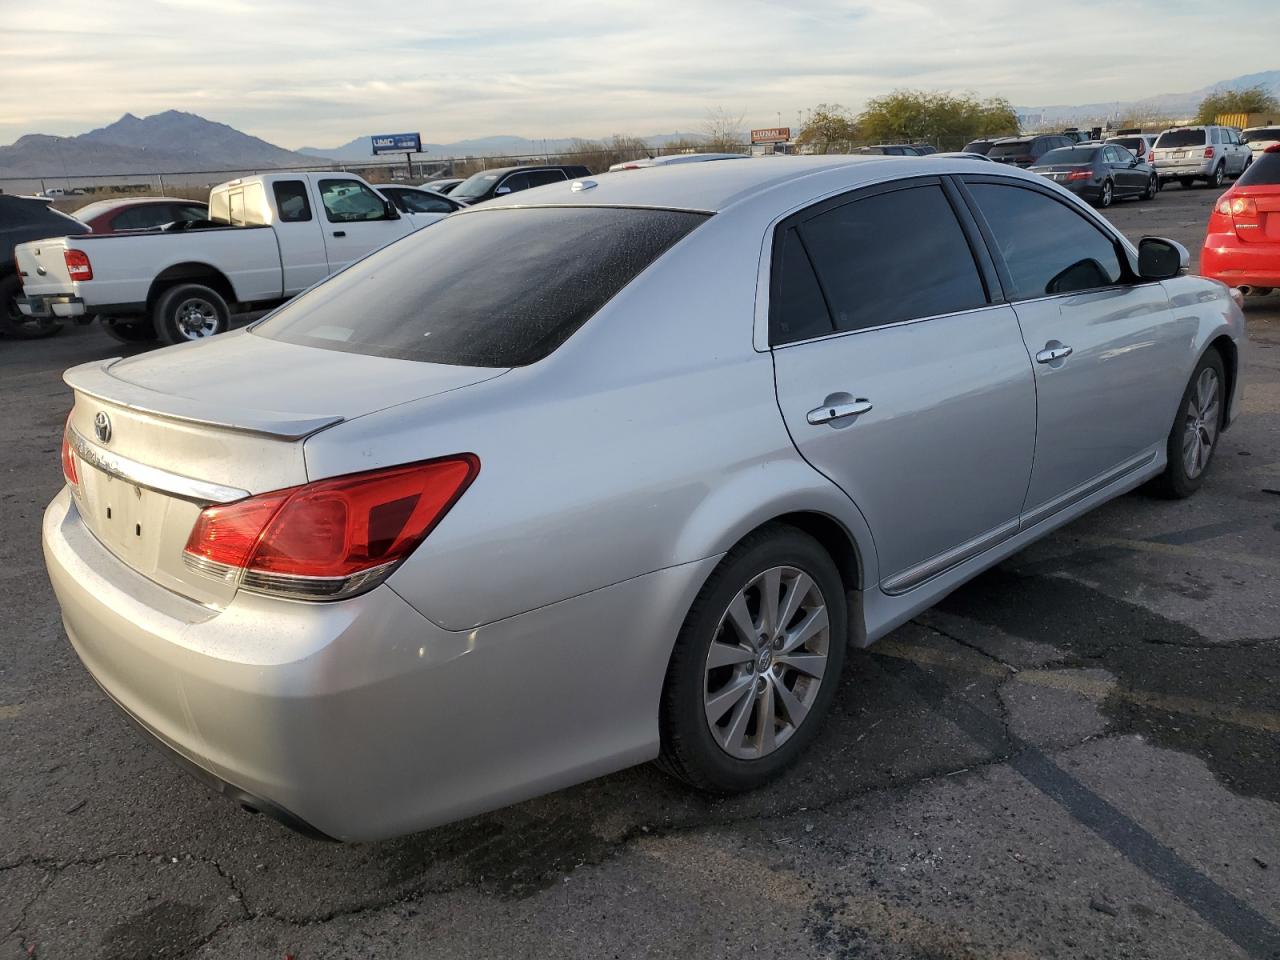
pixel 1161 259
pixel 501 190
pixel 389 210
pixel 1134 162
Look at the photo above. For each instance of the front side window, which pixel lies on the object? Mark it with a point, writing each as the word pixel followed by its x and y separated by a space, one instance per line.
pixel 347 201
pixel 515 183
pixel 893 256
pixel 488 288
pixel 291 201
pixel 1048 247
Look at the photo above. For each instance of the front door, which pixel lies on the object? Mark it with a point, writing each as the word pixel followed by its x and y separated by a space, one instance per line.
pixel 898 378
pixel 1103 343
pixel 357 221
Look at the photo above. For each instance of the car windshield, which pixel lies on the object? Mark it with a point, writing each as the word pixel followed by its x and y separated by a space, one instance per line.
pixel 475 186
pixel 1264 171
pixel 1260 133
pixel 1180 138
pixel 1068 155
pixel 490 288
pixel 1013 148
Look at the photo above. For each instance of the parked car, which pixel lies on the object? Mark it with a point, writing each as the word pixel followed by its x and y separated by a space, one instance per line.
pixel 23 219
pixel 1099 173
pixel 422 207
pixel 268 237
pixel 333 596
pixel 1141 145
pixel 504 180
pixel 965 154
pixel 1206 153
pixel 925 149
pixel 1076 135
pixel 1242 245
pixel 1257 139
pixel 139 213
pixel 982 146
pixel 674 158
pixel 890 150
pixel 1025 151
pixel 443 185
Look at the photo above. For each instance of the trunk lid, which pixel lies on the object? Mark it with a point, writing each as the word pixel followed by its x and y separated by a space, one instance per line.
pixel 160 436
pixel 42 267
pixel 1259 221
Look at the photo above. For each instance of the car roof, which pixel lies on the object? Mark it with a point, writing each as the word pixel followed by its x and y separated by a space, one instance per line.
pixel 498 171
pixel 713 187
pixel 99 207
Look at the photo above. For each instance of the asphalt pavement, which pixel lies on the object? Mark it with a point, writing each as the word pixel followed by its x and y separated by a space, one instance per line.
pixel 1073 756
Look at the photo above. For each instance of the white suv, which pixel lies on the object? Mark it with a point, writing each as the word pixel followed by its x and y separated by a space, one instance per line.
pixel 1208 153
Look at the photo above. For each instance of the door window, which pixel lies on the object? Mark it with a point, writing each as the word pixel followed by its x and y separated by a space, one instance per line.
pixel 291 200
pixel 538 178
pixel 890 257
pixel 414 201
pixel 515 182
pixel 348 201
pixel 1048 247
pixel 797 309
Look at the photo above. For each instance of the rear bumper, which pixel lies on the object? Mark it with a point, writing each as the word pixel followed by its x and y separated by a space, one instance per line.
pixel 1196 168
pixel 1228 259
pixel 362 719
pixel 51 305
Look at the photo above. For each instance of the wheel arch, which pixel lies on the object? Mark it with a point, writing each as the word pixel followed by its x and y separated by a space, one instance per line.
pixel 1230 354
pixel 190 272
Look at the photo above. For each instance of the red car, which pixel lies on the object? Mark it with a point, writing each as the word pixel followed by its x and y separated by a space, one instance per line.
pixel 1242 247
pixel 139 213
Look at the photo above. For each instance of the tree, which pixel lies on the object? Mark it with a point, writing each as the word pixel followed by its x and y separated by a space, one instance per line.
pixel 943 119
pixel 1249 100
pixel 830 127
pixel 723 131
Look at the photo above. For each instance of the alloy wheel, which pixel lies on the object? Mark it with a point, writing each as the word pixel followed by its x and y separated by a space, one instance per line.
pixel 766 662
pixel 1106 194
pixel 196 318
pixel 1201 420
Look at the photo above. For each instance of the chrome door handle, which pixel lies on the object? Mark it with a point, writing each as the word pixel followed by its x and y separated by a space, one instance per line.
pixel 1050 354
pixel 837 411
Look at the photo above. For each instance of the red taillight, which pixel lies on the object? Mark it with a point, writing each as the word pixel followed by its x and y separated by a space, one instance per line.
pixel 1208 152
pixel 1151 157
pixel 68 456
pixel 1243 207
pixel 1079 175
pixel 329 539
pixel 78 265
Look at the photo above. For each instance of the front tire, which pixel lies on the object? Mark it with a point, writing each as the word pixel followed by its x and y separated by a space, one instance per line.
pixel 1153 187
pixel 756 664
pixel 189 312
pixel 1196 429
pixel 1219 175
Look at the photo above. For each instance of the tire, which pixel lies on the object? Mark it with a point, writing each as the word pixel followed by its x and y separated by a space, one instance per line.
pixel 1219 175
pixel 733 752
pixel 188 312
pixel 1186 182
pixel 1107 195
pixel 1200 415
pixel 1153 187
pixel 15 324
pixel 130 331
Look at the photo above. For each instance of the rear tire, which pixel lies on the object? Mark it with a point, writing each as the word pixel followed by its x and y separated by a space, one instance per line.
pixel 190 312
pixel 13 322
pixel 130 331
pixel 1107 195
pixel 1219 175
pixel 1193 439
pixel 732 656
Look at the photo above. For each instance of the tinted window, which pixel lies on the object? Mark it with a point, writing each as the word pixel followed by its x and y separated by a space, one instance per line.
pixel 539 178
pixel 475 186
pixel 1261 133
pixel 292 201
pixel 977 146
pixel 414 201
pixel 1015 148
pixel 143 217
pixel 515 183
pixel 895 256
pixel 1180 138
pixel 1047 246
pixel 489 288
pixel 1069 155
pixel 797 310
pixel 346 201
pixel 1265 170
pixel 1134 145
pixel 191 212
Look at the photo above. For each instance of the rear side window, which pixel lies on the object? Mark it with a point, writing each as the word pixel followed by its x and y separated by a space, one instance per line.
pixel 893 256
pixel 1180 138
pixel 1264 171
pixel 292 201
pixel 1048 248
pixel 797 310
pixel 491 288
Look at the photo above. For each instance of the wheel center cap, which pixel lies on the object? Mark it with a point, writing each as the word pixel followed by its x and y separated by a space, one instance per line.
pixel 764 660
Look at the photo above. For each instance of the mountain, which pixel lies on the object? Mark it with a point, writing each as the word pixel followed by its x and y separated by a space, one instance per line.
pixel 1172 105
pixel 496 146
pixel 167 142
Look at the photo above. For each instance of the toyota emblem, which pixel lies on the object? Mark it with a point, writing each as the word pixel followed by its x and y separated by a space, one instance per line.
pixel 102 426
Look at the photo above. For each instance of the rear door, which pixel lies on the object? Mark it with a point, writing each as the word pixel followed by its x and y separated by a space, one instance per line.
pixel 1107 352
pixel 356 220
pixel 1129 180
pixel 897 376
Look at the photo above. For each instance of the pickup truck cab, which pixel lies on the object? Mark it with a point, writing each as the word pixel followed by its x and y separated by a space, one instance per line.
pixel 268 237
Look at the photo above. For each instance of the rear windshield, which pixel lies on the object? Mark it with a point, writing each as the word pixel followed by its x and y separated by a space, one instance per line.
pixel 1264 171
pixel 1014 148
pixel 1068 155
pixel 1261 133
pixel 490 288
pixel 1180 138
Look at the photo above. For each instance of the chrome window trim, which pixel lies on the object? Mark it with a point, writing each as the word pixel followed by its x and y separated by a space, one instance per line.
pixel 152 478
pixel 895 323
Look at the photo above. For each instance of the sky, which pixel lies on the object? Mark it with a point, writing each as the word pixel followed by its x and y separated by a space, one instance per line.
pixel 321 73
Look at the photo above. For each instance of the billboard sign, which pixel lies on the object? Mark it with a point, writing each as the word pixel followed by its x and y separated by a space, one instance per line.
pixel 396 143
pixel 771 135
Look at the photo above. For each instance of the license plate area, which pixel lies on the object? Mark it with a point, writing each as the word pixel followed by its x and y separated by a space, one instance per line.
pixel 128 519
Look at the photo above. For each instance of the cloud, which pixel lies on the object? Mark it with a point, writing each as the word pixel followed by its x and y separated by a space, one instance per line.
pixel 321 73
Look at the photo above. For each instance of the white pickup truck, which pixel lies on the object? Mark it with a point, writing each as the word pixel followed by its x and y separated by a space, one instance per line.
pixel 268 238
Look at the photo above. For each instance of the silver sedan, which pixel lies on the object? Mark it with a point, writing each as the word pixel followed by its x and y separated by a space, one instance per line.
pixel 612 471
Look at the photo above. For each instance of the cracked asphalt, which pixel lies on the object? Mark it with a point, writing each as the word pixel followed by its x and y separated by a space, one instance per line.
pixel 1075 755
